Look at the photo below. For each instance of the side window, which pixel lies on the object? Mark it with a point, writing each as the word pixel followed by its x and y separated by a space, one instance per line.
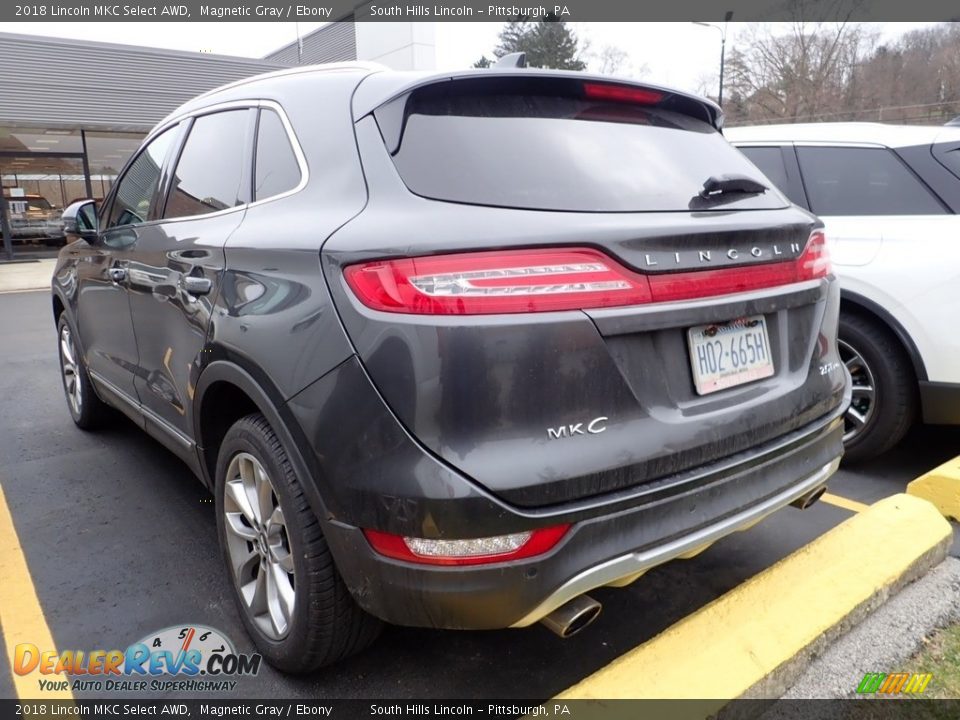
pixel 862 181
pixel 770 162
pixel 277 170
pixel 137 189
pixel 209 173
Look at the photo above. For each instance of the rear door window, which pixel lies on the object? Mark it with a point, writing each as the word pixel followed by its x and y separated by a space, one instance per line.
pixel 770 162
pixel 862 181
pixel 277 170
pixel 513 144
pixel 211 170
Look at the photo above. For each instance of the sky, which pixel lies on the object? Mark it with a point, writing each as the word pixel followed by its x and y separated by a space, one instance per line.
pixel 681 55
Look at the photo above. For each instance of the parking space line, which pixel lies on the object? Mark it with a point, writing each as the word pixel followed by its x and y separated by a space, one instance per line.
pixel 21 617
pixel 845 503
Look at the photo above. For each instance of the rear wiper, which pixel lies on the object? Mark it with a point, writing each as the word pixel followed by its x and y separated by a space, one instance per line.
pixel 717 185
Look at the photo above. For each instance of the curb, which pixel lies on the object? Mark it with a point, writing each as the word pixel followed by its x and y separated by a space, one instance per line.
pixel 941 486
pixel 755 641
pixel 26 276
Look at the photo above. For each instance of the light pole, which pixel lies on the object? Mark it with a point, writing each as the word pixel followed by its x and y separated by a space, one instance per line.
pixel 723 47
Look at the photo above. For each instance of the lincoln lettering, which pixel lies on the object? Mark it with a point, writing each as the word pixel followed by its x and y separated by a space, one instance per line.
pixel 696 258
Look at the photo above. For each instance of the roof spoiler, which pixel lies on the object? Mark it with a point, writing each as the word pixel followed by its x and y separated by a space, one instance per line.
pixel 381 92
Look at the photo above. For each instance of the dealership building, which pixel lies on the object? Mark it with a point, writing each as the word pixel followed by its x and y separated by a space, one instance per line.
pixel 73 111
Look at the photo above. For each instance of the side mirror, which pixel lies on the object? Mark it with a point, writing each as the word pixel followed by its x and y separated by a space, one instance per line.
pixel 80 220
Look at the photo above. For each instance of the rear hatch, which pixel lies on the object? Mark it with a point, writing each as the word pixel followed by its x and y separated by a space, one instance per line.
pixel 549 299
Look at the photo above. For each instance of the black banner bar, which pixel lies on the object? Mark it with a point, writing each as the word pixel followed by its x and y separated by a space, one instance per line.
pixel 474 11
pixel 875 708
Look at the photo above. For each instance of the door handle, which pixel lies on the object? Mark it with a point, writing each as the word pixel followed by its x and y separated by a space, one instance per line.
pixel 117 274
pixel 194 285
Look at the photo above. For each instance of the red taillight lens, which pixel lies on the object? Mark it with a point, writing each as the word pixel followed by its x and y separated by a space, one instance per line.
pixel 621 93
pixel 492 282
pixel 474 551
pixel 815 261
pixel 550 280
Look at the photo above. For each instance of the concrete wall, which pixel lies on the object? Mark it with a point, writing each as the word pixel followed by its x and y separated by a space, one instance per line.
pixel 398 45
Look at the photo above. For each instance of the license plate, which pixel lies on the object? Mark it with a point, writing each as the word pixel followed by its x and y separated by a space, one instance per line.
pixel 723 355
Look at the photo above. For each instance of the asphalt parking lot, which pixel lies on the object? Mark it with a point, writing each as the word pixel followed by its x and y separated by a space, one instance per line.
pixel 120 539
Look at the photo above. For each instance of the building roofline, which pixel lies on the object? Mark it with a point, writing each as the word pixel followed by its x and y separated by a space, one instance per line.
pixel 140 49
pixel 293 43
pixel 284 71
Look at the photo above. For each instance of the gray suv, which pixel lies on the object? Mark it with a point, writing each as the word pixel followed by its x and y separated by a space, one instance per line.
pixel 452 350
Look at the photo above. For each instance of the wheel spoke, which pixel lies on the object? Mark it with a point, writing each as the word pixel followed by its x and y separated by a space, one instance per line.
pixel 236 498
pixel 258 603
pixel 265 505
pixel 243 567
pixel 285 560
pixel 275 522
pixel 236 525
pixel 280 597
pixel 863 390
pixel 248 474
pixel 858 418
pixel 66 347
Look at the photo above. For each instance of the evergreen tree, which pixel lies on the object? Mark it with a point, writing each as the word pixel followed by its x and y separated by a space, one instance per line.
pixel 483 62
pixel 548 43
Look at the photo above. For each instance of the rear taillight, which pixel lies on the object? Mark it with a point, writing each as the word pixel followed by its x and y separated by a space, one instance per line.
pixel 815 261
pixel 472 551
pixel 493 282
pixel 521 281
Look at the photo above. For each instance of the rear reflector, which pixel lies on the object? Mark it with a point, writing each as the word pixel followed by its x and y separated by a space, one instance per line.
pixel 621 93
pixel 472 551
pixel 524 281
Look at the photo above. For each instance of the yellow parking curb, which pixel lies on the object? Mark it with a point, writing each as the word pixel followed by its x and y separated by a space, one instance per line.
pixel 941 486
pixel 754 641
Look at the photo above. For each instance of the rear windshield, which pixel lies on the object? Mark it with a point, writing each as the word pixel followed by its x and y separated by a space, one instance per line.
pixel 490 142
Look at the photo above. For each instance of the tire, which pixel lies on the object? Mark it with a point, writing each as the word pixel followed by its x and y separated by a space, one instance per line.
pixel 878 421
pixel 87 410
pixel 324 624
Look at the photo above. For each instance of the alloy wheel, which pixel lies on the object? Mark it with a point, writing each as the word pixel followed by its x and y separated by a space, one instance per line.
pixel 864 401
pixel 71 371
pixel 259 546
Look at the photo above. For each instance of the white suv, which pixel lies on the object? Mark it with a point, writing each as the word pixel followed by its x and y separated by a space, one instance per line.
pixel 889 196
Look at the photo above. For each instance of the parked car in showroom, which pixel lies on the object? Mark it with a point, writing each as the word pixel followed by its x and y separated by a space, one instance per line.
pixel 451 350
pixel 33 218
pixel 889 196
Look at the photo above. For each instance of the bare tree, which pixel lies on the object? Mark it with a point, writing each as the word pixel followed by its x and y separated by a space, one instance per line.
pixel 797 72
pixel 611 59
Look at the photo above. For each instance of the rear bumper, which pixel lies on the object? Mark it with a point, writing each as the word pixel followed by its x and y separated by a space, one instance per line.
pixel 604 549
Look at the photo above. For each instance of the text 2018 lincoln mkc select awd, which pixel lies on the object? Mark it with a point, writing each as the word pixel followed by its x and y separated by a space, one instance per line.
pixel 452 350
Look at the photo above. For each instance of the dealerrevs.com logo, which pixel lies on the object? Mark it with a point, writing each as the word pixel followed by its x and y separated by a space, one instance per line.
pixel 187 658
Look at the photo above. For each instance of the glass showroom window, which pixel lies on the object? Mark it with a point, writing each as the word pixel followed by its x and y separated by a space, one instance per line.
pixel 107 153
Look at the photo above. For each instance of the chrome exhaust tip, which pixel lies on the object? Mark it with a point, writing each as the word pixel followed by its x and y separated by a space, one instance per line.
pixel 569 619
pixel 805 501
